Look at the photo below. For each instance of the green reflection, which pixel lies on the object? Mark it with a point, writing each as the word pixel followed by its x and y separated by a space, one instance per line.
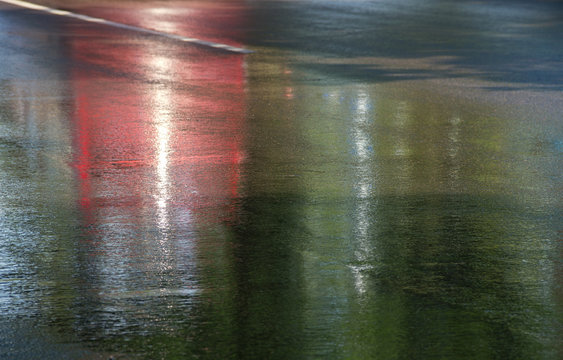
pixel 421 232
pixel 368 225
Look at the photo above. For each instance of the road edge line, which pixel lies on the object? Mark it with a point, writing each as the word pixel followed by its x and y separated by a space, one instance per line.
pixel 73 15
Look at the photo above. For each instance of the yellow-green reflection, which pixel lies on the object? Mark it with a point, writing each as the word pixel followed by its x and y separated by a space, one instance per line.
pixel 412 229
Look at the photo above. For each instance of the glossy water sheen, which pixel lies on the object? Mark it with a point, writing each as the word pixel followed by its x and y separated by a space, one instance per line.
pixel 367 197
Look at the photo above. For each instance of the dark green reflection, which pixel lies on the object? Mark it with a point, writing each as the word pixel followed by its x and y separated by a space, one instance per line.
pixel 459 277
pixel 421 230
pixel 268 266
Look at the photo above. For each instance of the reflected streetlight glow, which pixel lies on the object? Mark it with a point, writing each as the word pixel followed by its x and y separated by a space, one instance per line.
pixel 454 144
pixel 401 121
pixel 161 112
pixel 363 148
pixel 162 148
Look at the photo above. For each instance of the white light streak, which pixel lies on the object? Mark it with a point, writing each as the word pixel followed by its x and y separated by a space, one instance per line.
pixel 52 11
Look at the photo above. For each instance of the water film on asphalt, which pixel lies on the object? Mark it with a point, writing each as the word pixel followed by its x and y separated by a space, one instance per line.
pixel 379 180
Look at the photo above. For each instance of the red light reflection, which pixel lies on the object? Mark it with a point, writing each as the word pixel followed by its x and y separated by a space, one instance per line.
pixel 222 22
pixel 157 126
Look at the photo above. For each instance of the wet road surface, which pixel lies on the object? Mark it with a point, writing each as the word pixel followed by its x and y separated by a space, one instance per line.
pixel 378 179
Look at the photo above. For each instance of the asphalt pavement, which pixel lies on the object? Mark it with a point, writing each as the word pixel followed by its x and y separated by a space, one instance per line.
pixel 280 179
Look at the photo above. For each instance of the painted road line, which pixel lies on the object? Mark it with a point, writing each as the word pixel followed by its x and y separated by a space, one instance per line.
pixel 69 14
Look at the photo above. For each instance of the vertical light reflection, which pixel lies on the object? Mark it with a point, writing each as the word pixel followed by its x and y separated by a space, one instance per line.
pixel 124 139
pixel 454 145
pixel 163 103
pixel 401 148
pixel 157 168
pixel 363 148
pixel 161 113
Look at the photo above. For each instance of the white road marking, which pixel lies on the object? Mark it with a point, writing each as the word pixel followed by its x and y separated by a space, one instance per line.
pixel 65 13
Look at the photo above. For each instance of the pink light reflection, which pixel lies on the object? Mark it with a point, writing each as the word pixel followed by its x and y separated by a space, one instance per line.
pixel 158 129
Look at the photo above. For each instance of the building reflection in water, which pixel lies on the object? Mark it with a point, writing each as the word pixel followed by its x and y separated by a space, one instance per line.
pixel 274 218
pixel 158 168
pixel 404 223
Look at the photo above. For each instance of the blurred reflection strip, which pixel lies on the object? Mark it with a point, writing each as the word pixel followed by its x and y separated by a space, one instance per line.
pixel 65 13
